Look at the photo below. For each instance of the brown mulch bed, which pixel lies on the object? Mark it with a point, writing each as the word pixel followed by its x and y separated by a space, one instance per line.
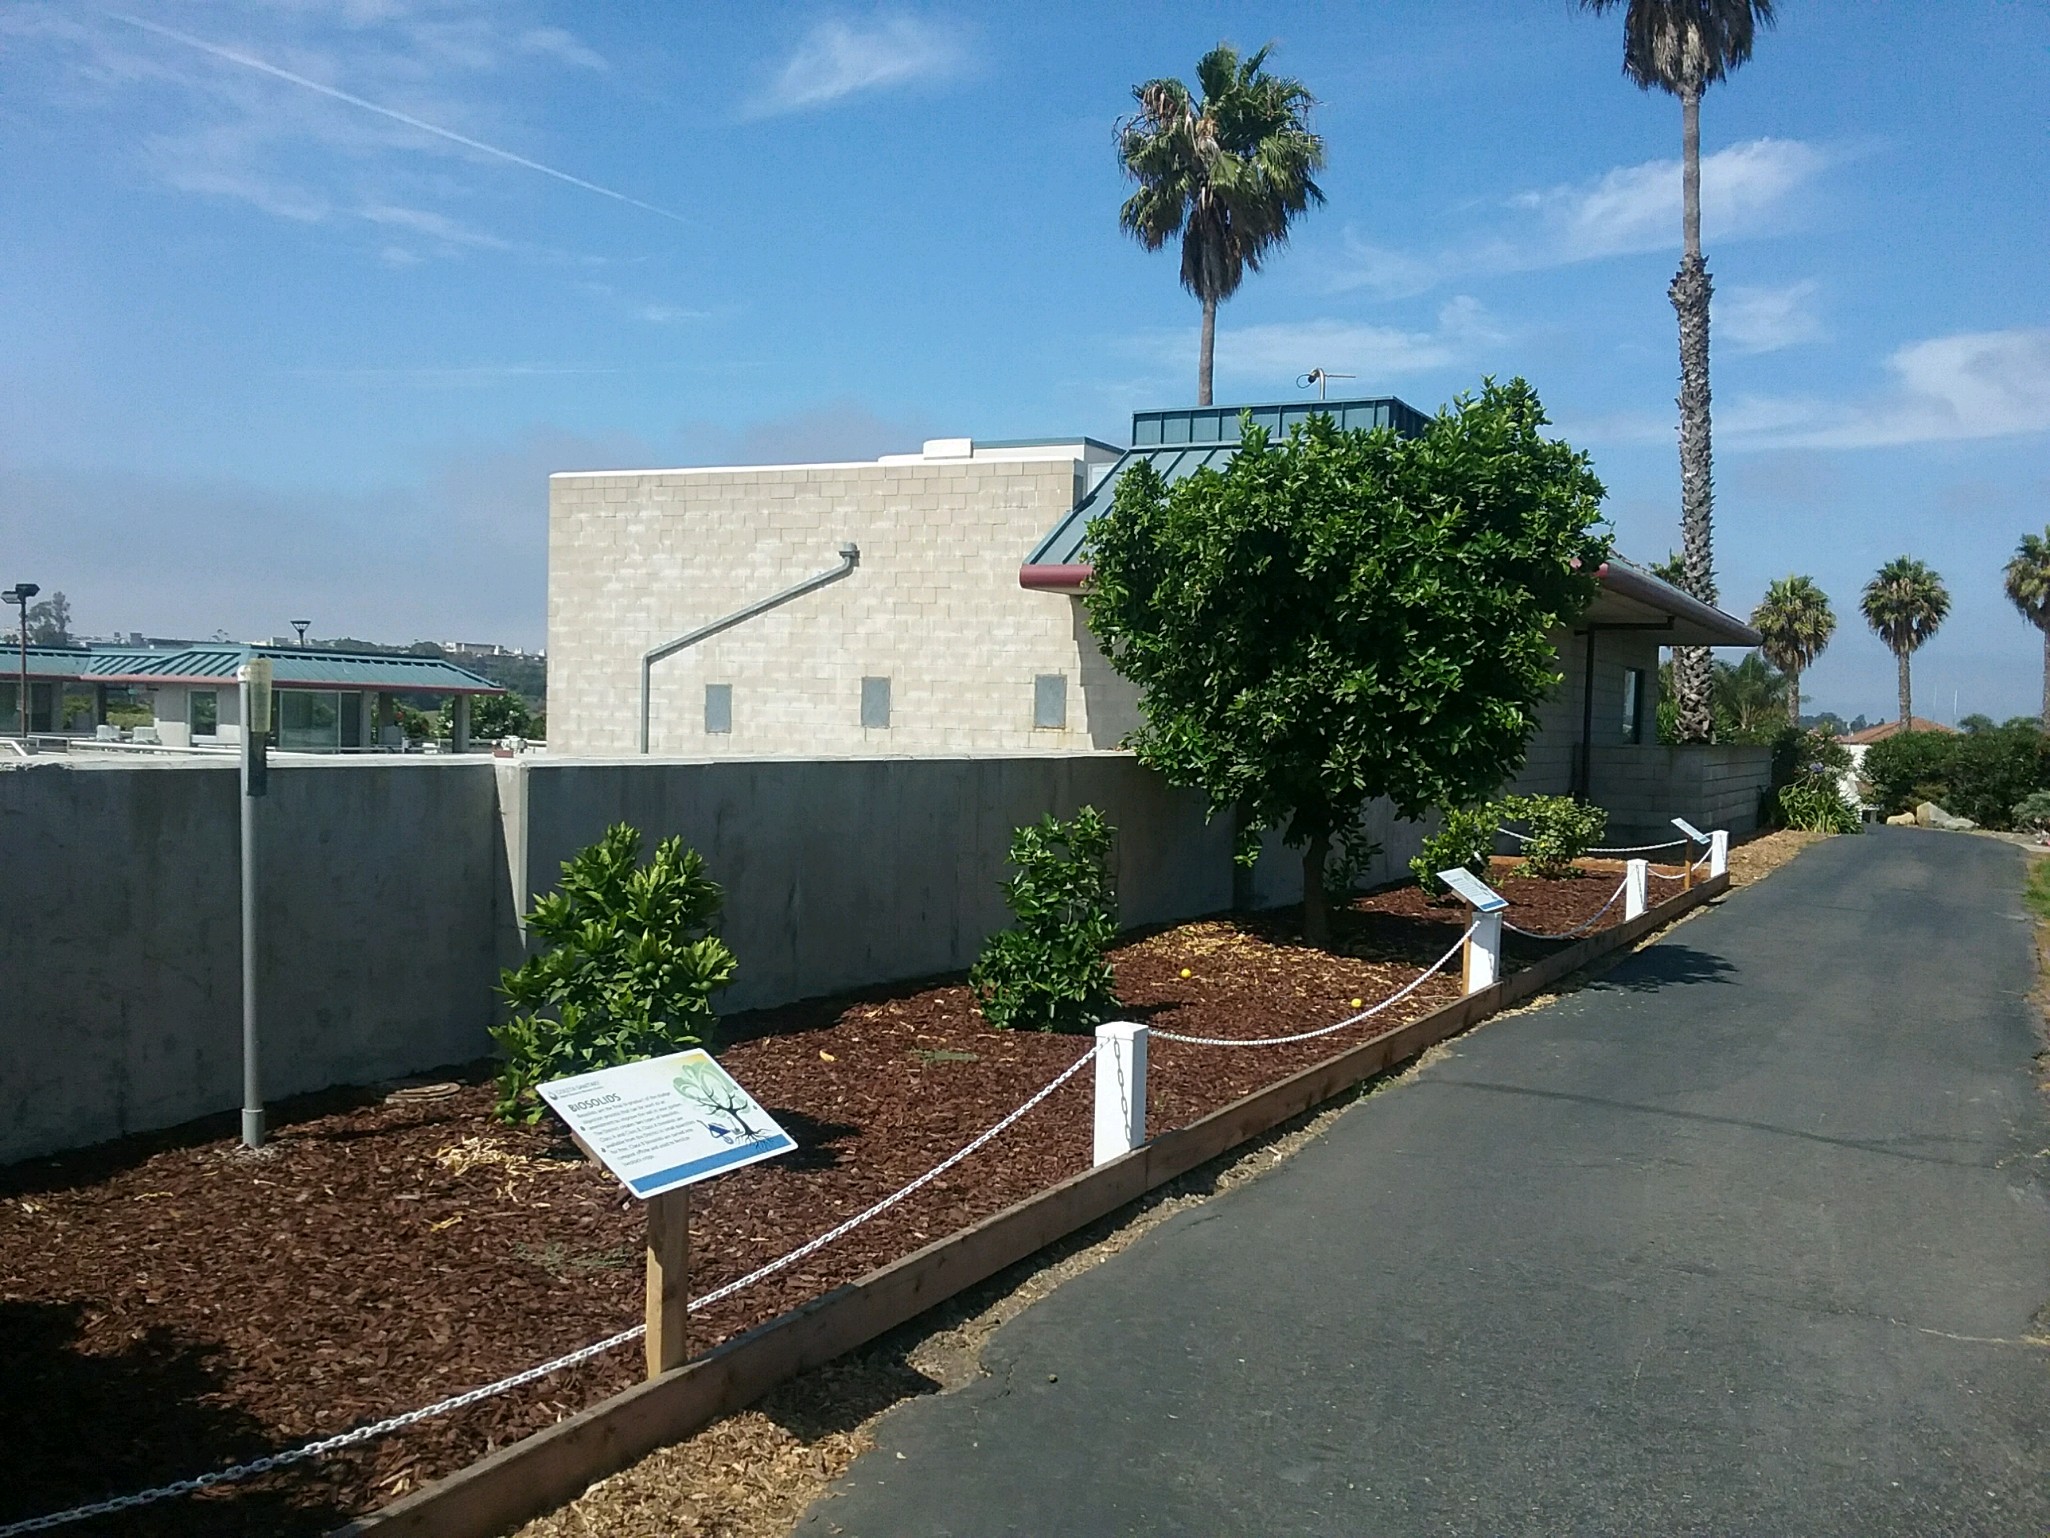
pixel 170 1304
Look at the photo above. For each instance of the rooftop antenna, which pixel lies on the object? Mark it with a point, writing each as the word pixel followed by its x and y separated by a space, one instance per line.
pixel 1321 378
pixel 300 626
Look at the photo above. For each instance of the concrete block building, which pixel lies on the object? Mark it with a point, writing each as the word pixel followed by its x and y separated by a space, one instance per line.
pixel 929 604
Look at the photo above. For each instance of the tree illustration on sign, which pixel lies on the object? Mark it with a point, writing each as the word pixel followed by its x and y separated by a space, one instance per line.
pixel 704 1084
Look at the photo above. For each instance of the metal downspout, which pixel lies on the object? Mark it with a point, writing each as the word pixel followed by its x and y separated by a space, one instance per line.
pixel 1586 787
pixel 850 557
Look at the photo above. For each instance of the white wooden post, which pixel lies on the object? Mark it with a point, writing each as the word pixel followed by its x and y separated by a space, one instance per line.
pixel 1484 951
pixel 1636 886
pixel 1719 852
pixel 1120 1089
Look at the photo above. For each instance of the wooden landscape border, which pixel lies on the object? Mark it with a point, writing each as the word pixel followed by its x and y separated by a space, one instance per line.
pixel 545 1470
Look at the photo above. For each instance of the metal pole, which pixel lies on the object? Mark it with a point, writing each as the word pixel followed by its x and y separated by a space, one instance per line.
pixel 255 692
pixel 23 701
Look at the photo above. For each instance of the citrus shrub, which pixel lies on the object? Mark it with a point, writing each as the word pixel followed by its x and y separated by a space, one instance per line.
pixel 629 971
pixel 1561 831
pixel 1050 970
pixel 1465 837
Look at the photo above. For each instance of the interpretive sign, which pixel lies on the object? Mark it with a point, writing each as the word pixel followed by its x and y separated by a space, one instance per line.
pixel 668 1121
pixel 1481 897
pixel 1690 830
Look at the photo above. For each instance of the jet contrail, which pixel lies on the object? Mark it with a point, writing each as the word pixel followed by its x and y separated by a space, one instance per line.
pixel 247 62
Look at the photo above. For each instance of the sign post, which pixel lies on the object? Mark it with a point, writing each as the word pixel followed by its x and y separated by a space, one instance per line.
pixel 1484 946
pixel 1694 836
pixel 254 679
pixel 661 1126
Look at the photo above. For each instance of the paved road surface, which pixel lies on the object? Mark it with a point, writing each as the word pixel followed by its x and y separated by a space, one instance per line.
pixel 1746 1239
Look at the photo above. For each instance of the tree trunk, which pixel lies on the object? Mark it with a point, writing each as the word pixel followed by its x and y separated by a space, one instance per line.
pixel 1690 293
pixel 1690 169
pixel 2046 678
pixel 1907 694
pixel 1316 904
pixel 1209 350
pixel 1794 698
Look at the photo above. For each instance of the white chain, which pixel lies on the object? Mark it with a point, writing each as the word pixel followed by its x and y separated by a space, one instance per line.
pixel 1567 934
pixel 1275 1041
pixel 325 1445
pixel 1524 838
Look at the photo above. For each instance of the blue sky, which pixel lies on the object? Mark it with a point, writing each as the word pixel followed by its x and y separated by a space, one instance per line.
pixel 300 302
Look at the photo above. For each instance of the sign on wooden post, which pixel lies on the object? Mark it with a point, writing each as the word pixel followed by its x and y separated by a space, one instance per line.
pixel 1483 959
pixel 661 1126
pixel 1694 836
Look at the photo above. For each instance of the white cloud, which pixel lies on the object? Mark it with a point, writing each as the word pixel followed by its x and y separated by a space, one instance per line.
pixel 1754 320
pixel 1970 385
pixel 669 314
pixel 1279 352
pixel 555 43
pixel 1746 190
pixel 839 59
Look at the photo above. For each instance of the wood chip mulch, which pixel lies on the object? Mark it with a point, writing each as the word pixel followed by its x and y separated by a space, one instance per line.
pixel 170 1304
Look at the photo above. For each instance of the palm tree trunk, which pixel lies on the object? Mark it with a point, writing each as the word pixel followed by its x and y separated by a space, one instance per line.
pixel 1907 694
pixel 1208 352
pixel 1316 905
pixel 1794 698
pixel 2046 678
pixel 1690 293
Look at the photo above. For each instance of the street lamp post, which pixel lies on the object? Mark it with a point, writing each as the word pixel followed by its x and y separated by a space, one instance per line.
pixel 19 595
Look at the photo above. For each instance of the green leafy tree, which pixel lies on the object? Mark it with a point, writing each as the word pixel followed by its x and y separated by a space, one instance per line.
pixel 2026 579
pixel 1750 699
pixel 1796 621
pixel 1905 604
pixel 492 716
pixel 1682 47
pixel 628 973
pixel 49 622
pixel 1227 174
pixel 1050 971
pixel 1349 614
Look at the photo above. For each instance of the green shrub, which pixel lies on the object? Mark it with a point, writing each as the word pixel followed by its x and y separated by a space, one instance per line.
pixel 1806 755
pixel 1815 807
pixel 1561 831
pixel 1981 775
pixel 629 972
pixel 2031 814
pixel 1900 768
pixel 1049 971
pixel 1465 837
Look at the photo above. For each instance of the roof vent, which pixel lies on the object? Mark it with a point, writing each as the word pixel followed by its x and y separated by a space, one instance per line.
pixel 949 448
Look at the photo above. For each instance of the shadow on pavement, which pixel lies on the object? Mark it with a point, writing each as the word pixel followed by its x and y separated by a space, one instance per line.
pixel 1665 965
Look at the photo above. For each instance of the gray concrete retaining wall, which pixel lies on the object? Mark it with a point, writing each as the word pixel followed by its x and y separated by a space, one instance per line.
pixel 383 892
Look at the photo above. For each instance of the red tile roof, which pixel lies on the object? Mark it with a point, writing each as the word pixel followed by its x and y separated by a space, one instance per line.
pixel 1886 729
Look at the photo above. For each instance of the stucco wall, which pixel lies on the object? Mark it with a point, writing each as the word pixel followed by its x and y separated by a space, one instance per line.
pixel 639 558
pixel 382 888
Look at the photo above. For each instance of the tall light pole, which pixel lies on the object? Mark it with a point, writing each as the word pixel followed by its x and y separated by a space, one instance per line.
pixel 254 679
pixel 19 595
pixel 300 626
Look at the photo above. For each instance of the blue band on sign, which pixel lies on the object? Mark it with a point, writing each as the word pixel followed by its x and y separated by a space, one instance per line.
pixel 711 1163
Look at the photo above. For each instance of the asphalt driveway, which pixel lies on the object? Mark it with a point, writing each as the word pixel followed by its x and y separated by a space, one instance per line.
pixel 1751 1237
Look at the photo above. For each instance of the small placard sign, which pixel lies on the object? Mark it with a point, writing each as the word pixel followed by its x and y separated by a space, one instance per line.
pixel 1690 830
pixel 1481 897
pixel 666 1121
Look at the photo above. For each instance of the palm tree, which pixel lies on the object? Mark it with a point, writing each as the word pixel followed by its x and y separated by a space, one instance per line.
pixel 1904 604
pixel 1226 174
pixel 1683 47
pixel 1796 621
pixel 1750 698
pixel 2028 589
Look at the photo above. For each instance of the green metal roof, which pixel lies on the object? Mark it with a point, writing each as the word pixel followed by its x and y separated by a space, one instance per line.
pixel 1180 442
pixel 216 662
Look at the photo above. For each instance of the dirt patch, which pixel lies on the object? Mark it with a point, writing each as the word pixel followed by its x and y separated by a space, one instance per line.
pixel 169 1305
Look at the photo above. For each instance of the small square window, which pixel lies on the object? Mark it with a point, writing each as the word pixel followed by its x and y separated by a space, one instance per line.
pixel 875 702
pixel 1050 702
pixel 1633 704
pixel 718 707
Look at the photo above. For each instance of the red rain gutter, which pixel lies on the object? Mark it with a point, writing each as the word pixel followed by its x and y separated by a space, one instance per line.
pixel 1055 579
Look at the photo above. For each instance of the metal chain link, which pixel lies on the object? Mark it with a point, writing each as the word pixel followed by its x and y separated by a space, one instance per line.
pixel 335 1443
pixel 1275 1041
pixel 1584 924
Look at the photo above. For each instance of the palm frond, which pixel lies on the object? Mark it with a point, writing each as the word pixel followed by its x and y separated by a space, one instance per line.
pixel 1678 45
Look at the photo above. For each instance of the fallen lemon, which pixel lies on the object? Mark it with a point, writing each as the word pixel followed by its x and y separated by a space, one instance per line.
pixel 827 1057
pixel 1185 971
pixel 1356 1003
